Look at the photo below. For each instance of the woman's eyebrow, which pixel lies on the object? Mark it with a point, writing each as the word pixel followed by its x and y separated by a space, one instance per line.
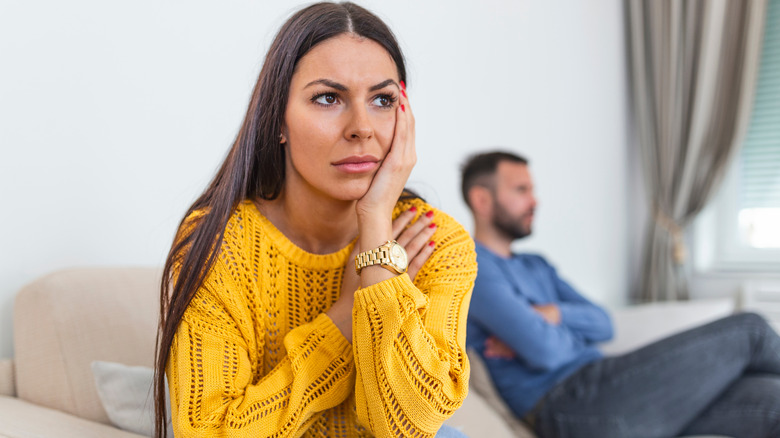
pixel 382 84
pixel 327 82
pixel 340 87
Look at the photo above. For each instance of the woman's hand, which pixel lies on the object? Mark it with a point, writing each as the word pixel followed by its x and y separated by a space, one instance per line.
pixel 415 239
pixel 375 208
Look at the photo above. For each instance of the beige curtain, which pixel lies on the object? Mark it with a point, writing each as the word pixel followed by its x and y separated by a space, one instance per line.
pixel 694 66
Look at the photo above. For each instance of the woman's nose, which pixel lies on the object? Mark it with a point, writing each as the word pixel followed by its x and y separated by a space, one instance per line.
pixel 359 127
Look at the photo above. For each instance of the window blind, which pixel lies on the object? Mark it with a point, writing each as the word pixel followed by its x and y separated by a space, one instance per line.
pixel 760 154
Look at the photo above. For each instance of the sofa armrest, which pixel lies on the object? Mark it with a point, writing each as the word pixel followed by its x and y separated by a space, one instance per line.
pixel 640 325
pixel 20 419
pixel 7 382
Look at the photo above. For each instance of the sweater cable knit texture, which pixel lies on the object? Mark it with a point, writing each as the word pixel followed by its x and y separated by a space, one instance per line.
pixel 256 356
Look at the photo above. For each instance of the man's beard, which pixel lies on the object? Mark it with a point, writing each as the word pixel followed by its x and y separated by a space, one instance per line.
pixel 512 228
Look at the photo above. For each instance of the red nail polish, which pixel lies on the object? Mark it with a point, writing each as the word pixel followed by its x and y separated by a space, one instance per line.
pixel 413 208
pixel 403 92
pixel 432 226
pixel 431 243
pixel 429 214
pixel 402 108
pixel 403 86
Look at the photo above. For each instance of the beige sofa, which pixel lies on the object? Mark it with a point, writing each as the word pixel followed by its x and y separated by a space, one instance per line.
pixel 62 323
pixel 68 319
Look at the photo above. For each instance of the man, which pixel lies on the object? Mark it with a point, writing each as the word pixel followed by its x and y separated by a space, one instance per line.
pixel 538 338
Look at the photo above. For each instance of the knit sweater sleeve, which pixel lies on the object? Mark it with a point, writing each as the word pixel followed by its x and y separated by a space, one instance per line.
pixel 409 340
pixel 215 368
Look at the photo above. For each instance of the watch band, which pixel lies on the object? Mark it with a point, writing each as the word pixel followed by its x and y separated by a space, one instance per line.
pixel 377 256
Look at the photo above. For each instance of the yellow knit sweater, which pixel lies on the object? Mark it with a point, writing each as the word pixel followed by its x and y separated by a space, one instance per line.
pixel 256 356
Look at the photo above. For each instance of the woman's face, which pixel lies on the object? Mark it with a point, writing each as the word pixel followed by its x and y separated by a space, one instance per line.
pixel 340 117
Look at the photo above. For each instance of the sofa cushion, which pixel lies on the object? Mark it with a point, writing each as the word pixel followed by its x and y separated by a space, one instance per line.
pixel 20 419
pixel 127 393
pixel 66 320
pixel 7 385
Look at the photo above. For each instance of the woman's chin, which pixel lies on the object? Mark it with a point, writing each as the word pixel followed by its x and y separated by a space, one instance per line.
pixel 353 195
pixel 350 192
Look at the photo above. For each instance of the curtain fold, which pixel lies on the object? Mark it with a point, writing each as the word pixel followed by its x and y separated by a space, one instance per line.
pixel 694 66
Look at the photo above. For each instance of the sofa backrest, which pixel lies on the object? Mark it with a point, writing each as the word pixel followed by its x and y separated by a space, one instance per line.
pixel 67 319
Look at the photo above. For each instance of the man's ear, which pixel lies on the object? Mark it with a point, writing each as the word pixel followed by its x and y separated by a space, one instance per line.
pixel 481 200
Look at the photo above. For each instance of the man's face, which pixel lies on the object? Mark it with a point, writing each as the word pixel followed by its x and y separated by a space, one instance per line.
pixel 513 200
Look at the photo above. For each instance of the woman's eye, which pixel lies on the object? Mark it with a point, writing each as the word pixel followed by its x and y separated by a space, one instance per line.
pixel 326 99
pixel 384 101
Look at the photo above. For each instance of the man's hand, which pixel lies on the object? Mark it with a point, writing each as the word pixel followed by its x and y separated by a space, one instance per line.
pixel 497 349
pixel 550 312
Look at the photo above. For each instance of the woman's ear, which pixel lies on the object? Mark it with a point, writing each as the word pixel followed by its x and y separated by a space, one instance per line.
pixel 283 134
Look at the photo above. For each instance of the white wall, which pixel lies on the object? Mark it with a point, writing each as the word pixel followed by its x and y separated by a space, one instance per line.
pixel 113 116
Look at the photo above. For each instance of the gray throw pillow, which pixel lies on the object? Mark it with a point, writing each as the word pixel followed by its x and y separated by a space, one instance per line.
pixel 127 396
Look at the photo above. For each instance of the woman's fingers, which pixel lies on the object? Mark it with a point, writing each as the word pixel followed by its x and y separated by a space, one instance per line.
pixel 389 181
pixel 419 260
pixel 415 238
pixel 402 156
pixel 419 241
pixel 410 151
pixel 400 222
pixel 422 223
pixel 409 115
pixel 397 159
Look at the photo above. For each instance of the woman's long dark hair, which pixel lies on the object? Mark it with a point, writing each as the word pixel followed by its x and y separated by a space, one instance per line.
pixel 254 166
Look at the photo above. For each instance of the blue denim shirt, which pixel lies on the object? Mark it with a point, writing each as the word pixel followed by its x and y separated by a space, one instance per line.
pixel 501 305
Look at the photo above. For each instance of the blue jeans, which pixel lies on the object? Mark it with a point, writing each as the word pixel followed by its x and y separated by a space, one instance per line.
pixel 721 378
pixel 449 432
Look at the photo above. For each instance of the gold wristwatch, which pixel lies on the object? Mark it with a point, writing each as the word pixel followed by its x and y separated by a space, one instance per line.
pixel 390 255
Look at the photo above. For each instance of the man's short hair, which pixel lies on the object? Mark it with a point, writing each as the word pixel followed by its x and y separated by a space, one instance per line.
pixel 479 169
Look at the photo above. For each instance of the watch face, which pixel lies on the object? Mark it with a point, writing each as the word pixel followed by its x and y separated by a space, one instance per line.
pixel 398 256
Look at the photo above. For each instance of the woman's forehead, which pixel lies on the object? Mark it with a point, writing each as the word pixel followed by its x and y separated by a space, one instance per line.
pixel 346 58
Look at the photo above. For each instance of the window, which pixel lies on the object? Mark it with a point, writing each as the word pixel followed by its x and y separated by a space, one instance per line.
pixel 745 216
pixel 759 182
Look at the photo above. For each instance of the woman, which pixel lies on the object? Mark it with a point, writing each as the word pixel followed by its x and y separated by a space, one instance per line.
pixel 285 307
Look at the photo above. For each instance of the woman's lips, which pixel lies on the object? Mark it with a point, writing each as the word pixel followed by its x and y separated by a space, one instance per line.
pixel 357 164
